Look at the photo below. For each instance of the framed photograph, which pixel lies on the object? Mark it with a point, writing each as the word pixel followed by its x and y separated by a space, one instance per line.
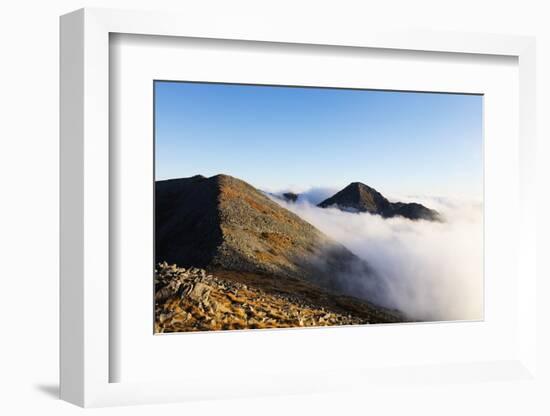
pixel 320 198
pixel 289 235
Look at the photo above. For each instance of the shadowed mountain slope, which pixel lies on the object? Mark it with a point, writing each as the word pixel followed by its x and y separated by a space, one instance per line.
pixel 358 197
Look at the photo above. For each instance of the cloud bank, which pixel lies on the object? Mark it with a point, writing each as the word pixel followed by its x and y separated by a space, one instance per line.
pixel 433 271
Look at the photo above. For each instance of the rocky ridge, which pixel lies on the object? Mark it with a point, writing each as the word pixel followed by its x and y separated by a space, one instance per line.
pixel 224 223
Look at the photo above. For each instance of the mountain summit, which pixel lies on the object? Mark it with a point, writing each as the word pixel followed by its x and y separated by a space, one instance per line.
pixel 358 197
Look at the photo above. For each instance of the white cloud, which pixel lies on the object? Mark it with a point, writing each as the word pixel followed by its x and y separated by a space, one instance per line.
pixel 434 271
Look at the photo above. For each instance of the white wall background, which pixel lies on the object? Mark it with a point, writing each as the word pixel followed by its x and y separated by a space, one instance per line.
pixel 29 205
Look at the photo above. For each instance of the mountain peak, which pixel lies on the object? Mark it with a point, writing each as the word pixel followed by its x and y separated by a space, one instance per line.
pixel 358 197
pixel 358 185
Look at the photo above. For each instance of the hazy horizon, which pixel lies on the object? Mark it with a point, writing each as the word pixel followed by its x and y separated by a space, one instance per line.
pixel 299 139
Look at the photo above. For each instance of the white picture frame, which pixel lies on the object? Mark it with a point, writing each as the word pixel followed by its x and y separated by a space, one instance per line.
pixel 86 356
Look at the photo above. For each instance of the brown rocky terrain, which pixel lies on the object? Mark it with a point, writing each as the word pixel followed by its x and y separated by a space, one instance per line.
pixel 243 261
pixel 194 300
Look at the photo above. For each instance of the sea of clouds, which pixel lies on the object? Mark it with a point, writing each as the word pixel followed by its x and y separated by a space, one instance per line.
pixel 432 270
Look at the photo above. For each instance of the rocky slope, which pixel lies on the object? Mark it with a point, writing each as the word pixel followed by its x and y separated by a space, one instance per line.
pixel 224 223
pixel 194 300
pixel 358 197
pixel 260 261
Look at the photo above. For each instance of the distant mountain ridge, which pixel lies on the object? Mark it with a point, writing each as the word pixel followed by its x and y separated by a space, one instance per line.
pixel 284 196
pixel 358 197
pixel 291 196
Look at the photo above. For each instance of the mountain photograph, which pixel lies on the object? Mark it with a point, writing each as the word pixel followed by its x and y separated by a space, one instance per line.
pixel 265 214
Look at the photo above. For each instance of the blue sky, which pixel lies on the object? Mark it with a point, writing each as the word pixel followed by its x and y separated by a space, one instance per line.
pixel 295 138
